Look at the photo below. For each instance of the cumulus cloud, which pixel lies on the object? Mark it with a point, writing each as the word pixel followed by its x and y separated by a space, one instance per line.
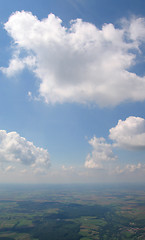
pixel 130 168
pixel 15 149
pixel 102 152
pixel 16 65
pixel 129 134
pixel 137 29
pixel 81 63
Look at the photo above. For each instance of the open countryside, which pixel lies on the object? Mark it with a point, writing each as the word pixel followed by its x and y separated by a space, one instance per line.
pixel 72 212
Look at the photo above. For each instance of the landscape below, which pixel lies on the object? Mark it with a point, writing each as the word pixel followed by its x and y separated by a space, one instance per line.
pixel 72 212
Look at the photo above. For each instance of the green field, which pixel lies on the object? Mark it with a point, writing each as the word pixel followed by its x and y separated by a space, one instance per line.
pixel 63 212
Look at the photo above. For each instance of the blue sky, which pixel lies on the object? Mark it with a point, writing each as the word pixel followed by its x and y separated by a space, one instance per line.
pixel 72 91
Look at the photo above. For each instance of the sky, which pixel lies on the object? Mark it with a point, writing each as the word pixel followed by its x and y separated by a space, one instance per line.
pixel 72 96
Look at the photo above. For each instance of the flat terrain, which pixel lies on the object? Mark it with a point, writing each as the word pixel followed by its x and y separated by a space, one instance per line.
pixel 72 212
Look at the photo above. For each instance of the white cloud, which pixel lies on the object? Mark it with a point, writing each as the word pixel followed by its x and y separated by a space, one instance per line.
pixel 137 29
pixel 133 167
pixel 129 168
pixel 9 168
pixel 102 153
pixel 67 168
pixel 16 150
pixel 82 63
pixel 129 134
pixel 30 95
pixel 16 65
pixel 23 171
pixel 39 171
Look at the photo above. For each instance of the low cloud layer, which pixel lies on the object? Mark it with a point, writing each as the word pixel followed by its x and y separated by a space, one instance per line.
pixel 81 63
pixel 17 151
pixel 129 134
pixel 130 168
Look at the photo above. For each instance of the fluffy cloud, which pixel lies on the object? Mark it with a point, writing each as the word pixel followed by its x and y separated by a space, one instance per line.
pixel 78 64
pixel 129 134
pixel 17 65
pixel 102 152
pixel 16 150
